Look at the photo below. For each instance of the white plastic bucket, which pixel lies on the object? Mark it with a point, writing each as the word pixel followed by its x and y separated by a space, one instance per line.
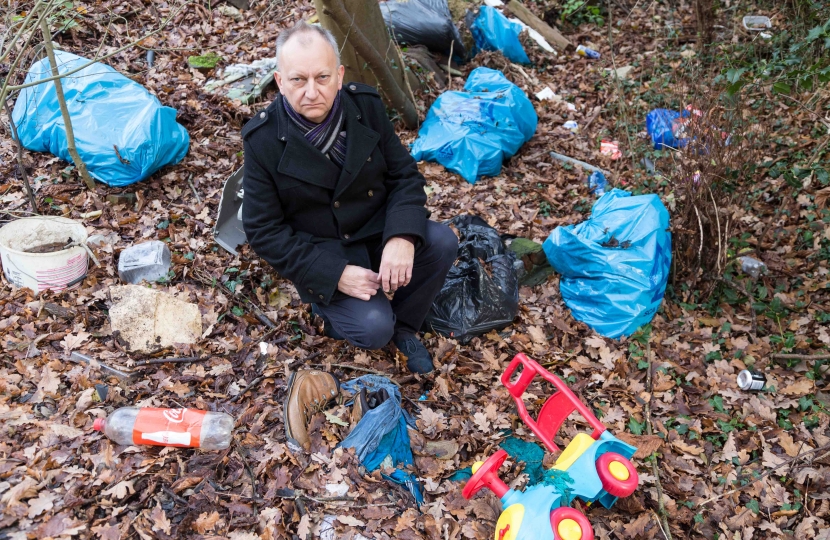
pixel 40 271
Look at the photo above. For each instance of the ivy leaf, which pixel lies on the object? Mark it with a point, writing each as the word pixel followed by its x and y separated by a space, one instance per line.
pixel 636 427
pixel 238 311
pixel 781 88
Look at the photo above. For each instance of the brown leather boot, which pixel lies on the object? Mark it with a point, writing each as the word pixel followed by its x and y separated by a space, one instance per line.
pixel 308 392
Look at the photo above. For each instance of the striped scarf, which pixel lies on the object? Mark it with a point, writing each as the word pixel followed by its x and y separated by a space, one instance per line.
pixel 326 136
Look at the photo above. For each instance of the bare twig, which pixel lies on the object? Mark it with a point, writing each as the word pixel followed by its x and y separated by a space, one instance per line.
pixel 20 164
pixel 184 360
pixel 67 120
pixel 193 189
pixel 655 467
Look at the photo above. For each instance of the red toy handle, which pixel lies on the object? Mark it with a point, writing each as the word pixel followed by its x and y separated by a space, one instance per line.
pixel 485 476
pixel 557 407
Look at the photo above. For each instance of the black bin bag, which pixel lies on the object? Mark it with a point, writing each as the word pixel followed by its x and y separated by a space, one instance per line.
pixel 481 292
pixel 423 22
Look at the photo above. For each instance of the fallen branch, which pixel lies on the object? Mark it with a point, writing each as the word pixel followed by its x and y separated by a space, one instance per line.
pixel 183 360
pixel 781 356
pixel 404 106
pixel 578 163
pixel 550 34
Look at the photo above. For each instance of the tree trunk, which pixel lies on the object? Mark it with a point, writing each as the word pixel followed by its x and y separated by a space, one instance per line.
pixel 705 15
pixel 368 53
pixel 356 68
pixel 70 135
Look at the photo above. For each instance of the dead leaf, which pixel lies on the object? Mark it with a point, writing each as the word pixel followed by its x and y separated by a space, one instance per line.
pixel 350 521
pixel 66 431
pixel 73 341
pixel 206 522
pixel 801 387
pixel 121 489
pixel 646 444
pixel 160 521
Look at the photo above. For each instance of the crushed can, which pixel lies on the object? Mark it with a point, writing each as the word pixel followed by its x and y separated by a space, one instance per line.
pixel 582 50
pixel 751 380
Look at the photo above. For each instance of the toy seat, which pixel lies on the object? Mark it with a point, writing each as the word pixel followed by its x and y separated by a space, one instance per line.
pixel 576 448
pixel 557 407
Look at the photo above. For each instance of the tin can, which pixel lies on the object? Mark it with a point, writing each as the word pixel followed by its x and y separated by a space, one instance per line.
pixel 751 380
pixel 582 50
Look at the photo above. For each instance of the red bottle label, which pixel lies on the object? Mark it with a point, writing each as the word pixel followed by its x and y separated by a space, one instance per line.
pixel 168 427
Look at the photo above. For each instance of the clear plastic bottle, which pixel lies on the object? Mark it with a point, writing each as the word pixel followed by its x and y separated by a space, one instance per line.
pixel 168 427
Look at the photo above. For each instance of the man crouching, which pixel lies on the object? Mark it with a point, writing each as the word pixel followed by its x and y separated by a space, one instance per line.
pixel 335 203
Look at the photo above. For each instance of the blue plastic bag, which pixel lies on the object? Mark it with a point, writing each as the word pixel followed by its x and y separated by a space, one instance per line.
pixel 492 31
pixel 108 110
pixel 666 127
pixel 615 265
pixel 472 132
pixel 381 434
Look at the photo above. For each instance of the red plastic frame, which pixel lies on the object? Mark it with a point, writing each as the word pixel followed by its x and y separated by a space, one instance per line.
pixel 567 512
pixel 557 407
pixel 617 488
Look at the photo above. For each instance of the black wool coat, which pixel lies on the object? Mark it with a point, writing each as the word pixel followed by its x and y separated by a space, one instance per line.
pixel 307 217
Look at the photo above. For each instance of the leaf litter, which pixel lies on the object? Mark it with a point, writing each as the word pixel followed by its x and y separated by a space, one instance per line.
pixel 729 463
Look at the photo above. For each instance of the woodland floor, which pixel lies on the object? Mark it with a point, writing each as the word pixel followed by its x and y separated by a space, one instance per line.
pixel 670 389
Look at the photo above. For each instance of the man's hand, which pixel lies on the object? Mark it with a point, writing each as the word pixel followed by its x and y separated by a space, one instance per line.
pixel 396 264
pixel 358 282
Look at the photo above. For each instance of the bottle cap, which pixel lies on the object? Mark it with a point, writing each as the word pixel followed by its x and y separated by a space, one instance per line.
pixel 98 425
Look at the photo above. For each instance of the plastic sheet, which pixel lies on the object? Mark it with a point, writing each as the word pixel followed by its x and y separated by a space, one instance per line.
pixel 381 436
pixel 665 127
pixel 615 265
pixel 481 292
pixel 424 22
pixel 472 132
pixel 492 31
pixel 122 132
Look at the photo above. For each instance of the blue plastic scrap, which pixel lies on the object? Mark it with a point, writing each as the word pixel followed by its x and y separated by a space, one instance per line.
pixel 473 131
pixel 122 132
pixel 492 31
pixel 614 265
pixel 665 127
pixel 381 434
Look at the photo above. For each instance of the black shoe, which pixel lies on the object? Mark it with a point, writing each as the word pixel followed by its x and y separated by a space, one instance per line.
pixel 418 359
pixel 328 329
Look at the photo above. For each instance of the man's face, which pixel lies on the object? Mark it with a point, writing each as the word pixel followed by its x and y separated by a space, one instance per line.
pixel 309 76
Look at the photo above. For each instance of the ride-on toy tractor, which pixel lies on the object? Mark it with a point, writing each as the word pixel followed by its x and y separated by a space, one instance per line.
pixel 598 465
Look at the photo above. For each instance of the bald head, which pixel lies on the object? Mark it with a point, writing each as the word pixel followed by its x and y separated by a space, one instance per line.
pixel 309 73
pixel 304 34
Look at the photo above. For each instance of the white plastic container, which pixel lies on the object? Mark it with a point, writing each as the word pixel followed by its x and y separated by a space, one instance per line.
pixel 40 271
pixel 189 428
pixel 147 261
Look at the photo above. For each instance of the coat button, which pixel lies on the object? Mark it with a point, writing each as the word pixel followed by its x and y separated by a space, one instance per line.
pixel 371 193
pixel 370 159
pixel 337 204
pixel 321 297
pixel 310 291
pixel 282 139
pixel 262 115
pixel 359 117
pixel 346 236
pixel 352 87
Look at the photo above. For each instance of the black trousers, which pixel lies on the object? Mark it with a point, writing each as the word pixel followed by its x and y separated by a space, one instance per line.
pixel 372 324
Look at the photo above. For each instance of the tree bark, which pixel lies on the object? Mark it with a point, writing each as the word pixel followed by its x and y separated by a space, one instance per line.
pixel 550 34
pixel 70 135
pixel 392 84
pixel 356 68
pixel 705 15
